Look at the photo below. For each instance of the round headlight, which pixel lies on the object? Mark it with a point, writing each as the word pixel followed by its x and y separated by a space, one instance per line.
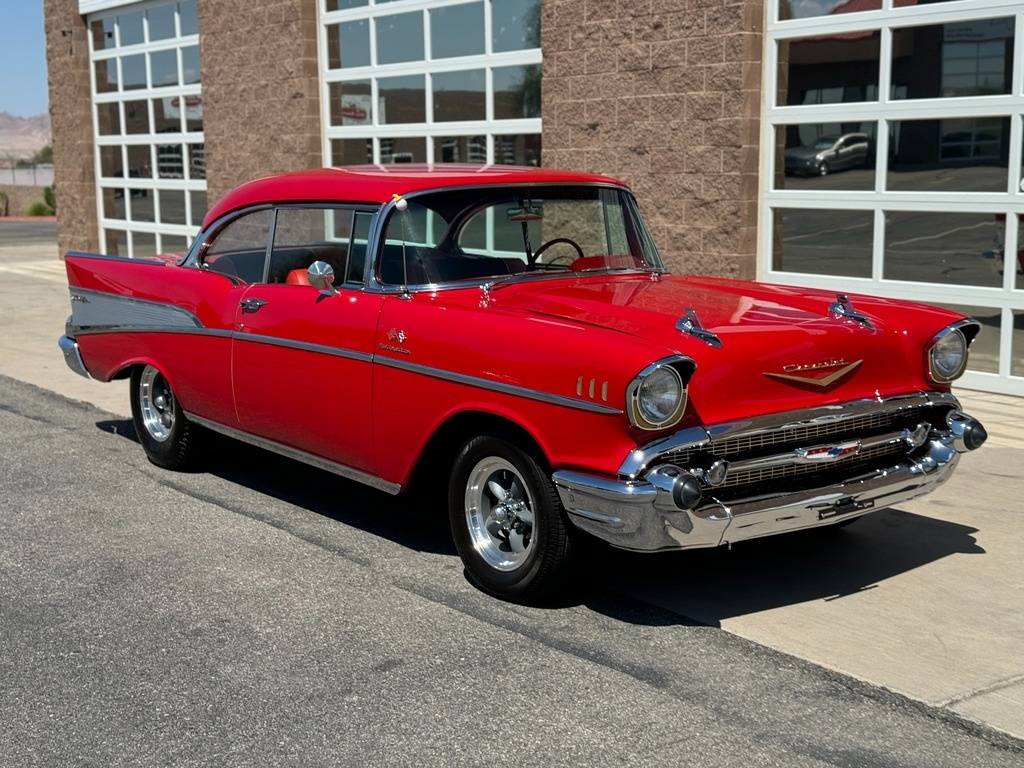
pixel 948 356
pixel 657 398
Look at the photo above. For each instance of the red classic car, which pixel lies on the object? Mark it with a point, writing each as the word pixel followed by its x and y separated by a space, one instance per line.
pixel 513 333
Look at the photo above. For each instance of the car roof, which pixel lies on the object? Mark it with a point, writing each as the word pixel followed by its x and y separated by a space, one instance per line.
pixel 377 184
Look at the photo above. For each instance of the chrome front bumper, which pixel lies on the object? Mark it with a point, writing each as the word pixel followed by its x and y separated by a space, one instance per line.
pixel 72 356
pixel 645 515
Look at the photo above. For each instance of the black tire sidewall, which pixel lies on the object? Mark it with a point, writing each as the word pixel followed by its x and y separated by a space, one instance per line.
pixel 549 531
pixel 171 453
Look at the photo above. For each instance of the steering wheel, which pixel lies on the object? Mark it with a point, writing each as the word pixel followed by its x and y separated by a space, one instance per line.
pixel 555 241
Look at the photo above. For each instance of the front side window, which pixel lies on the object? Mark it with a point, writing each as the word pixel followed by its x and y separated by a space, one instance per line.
pixel 336 236
pixel 239 249
pixel 472 235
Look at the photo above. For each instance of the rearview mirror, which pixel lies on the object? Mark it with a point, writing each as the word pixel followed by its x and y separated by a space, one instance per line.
pixel 321 276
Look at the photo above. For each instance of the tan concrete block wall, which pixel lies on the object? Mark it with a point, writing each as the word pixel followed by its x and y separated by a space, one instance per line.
pixel 19 198
pixel 67 56
pixel 664 94
pixel 260 99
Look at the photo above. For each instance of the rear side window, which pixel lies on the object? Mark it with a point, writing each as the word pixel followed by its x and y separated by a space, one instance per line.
pixel 305 235
pixel 239 249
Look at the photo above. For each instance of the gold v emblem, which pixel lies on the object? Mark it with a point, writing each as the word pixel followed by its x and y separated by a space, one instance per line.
pixel 820 381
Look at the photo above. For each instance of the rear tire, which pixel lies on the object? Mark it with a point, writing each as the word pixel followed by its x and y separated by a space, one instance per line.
pixel 167 436
pixel 507 521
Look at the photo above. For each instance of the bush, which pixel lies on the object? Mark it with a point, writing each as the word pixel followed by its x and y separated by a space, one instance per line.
pixel 39 208
pixel 50 198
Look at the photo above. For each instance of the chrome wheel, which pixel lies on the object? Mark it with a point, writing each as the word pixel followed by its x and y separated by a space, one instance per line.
pixel 499 513
pixel 156 403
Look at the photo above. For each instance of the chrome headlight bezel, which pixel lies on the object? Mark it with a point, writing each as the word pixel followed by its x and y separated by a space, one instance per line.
pixel 963 332
pixel 678 366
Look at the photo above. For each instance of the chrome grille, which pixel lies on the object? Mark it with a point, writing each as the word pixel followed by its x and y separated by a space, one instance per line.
pixel 866 457
pixel 744 446
pixel 744 482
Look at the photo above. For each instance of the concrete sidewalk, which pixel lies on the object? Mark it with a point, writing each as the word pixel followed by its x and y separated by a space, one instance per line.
pixel 926 600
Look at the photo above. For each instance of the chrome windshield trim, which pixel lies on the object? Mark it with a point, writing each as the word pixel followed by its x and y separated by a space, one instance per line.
pixel 694 437
pixel 496 386
pixel 343 470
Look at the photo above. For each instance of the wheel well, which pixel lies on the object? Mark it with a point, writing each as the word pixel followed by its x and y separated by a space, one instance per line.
pixel 126 372
pixel 430 475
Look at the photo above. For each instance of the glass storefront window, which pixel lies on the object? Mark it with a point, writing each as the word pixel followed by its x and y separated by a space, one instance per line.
pixel 400 38
pixel 823 242
pixel 163 68
pixel 956 155
pixel 827 156
pixel 348 44
pixel 351 103
pixel 402 99
pixel 351 151
pixel 515 25
pixel 459 95
pixel 517 150
pixel 1017 345
pixel 403 150
pixel 460 149
pixel 516 92
pixel 133 72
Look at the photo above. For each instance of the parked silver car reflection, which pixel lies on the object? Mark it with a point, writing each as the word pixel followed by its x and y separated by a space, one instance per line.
pixel 829 154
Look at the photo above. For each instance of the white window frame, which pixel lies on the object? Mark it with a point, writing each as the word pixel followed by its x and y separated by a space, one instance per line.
pixel 1006 298
pixel 429 129
pixel 123 140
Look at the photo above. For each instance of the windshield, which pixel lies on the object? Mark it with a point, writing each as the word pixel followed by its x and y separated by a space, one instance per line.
pixel 476 235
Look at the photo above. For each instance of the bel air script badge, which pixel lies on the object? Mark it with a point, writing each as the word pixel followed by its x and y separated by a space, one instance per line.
pixel 820 374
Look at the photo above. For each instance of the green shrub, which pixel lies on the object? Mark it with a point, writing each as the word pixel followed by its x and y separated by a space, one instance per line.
pixel 50 198
pixel 39 208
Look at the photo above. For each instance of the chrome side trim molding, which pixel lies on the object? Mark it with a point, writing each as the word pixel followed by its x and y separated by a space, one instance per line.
pixel 101 329
pixel 92 309
pixel 313 460
pixel 322 349
pixel 694 437
pixel 496 386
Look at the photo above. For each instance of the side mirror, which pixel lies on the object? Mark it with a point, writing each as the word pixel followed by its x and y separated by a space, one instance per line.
pixel 321 276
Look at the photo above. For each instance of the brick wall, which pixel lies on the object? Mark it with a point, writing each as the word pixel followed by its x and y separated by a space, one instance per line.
pixel 664 94
pixel 259 75
pixel 19 198
pixel 67 56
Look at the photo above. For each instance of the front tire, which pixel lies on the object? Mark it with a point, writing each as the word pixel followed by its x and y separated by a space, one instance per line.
pixel 167 436
pixel 507 520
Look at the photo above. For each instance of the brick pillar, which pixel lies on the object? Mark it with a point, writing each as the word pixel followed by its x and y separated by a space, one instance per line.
pixel 261 110
pixel 67 57
pixel 664 94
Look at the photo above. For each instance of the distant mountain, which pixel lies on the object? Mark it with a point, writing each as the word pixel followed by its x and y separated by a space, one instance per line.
pixel 23 136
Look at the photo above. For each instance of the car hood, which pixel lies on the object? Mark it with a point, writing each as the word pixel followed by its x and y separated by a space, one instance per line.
pixel 764 330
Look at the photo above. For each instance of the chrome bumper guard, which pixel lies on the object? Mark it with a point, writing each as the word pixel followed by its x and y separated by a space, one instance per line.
pixel 649 514
pixel 72 356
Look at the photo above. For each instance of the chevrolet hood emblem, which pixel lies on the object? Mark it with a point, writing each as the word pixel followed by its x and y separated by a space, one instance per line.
pixel 821 374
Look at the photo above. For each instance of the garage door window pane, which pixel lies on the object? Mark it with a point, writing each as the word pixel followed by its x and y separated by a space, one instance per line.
pixel 1017 362
pixel 167 115
pixel 516 92
pixel 460 149
pixel 163 66
pixel 351 151
pixel 402 99
pixel 140 165
pixel 136 117
pixel 964 155
pixel 963 58
pixel 348 44
pixel 351 103
pixel 823 242
pixel 187 17
pixel 111 164
pixel 190 64
pixel 106 75
pixel 829 69
pixel 102 34
pixel 952 248
pixel 457 30
pixel 172 206
pixel 143 245
pixel 800 9
pixel 404 150
pixel 130 25
pixel 459 96
pixel 161 22
pixel 169 161
pixel 113 203
pixel 198 201
pixel 984 354
pixel 197 161
pixel 515 25
pixel 133 72
pixel 116 242
pixel 341 5
pixel 400 38
pixel 517 150
pixel 827 156
pixel 141 201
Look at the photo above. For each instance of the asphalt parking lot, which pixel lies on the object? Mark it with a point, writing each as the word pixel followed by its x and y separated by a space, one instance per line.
pixel 268 613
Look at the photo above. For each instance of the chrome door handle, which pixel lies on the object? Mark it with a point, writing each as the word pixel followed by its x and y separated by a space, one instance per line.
pixel 252 305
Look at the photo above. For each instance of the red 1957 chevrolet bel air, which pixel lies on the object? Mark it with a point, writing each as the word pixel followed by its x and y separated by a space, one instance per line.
pixel 513 333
